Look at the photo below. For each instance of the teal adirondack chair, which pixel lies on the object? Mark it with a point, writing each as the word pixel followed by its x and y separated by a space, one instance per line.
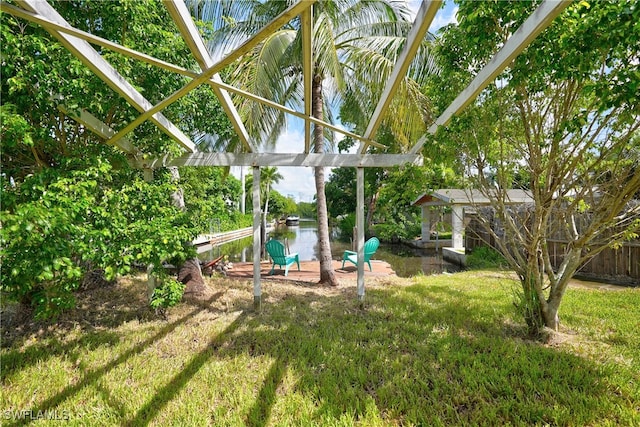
pixel 370 248
pixel 275 249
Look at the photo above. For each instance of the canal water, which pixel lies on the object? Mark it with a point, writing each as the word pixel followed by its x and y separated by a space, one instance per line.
pixel 303 239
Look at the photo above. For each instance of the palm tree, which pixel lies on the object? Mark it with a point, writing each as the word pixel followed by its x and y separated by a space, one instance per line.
pixel 355 44
pixel 268 176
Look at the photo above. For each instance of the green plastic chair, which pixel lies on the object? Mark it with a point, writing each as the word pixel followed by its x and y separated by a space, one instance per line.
pixel 275 249
pixel 370 248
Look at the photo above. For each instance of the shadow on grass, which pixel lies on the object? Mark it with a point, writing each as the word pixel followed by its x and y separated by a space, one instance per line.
pixel 92 377
pixel 451 364
pixel 163 396
pixel 418 355
pixel 97 311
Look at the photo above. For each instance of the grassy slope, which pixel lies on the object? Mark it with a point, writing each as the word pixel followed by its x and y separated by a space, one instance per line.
pixel 439 350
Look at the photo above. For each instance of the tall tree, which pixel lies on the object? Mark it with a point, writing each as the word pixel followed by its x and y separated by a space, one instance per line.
pixel 268 177
pixel 70 201
pixel 355 44
pixel 565 116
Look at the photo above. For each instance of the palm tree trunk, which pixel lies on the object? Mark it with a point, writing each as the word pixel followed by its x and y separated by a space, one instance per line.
pixel 372 209
pixel 266 204
pixel 327 274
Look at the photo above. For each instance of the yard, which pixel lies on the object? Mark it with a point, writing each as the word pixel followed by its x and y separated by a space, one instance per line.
pixel 433 350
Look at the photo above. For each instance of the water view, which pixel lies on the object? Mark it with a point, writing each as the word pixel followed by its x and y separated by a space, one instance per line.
pixel 303 239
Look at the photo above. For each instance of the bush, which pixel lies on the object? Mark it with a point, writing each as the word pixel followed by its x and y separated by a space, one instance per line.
pixel 54 226
pixel 167 294
pixel 396 230
pixel 485 257
pixel 346 226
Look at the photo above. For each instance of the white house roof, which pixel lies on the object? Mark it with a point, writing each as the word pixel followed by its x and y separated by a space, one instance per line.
pixel 451 196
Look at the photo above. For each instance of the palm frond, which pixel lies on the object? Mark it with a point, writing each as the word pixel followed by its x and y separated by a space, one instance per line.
pixel 356 44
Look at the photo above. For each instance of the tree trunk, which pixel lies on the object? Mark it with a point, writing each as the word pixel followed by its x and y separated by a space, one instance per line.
pixel 372 209
pixel 551 319
pixel 266 204
pixel 538 311
pixel 531 304
pixel 190 272
pixel 566 271
pixel 327 274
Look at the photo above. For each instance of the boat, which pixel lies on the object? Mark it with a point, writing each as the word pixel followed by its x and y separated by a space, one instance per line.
pixel 293 220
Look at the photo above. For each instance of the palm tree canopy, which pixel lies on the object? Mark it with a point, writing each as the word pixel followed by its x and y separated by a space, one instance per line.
pixel 355 46
pixel 269 176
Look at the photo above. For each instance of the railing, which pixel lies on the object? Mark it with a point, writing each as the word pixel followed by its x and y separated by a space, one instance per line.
pixel 228 236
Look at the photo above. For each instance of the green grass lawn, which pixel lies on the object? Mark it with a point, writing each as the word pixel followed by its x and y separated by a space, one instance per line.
pixel 434 350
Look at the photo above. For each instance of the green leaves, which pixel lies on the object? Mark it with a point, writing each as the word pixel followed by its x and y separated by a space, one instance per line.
pixel 561 121
pixel 57 228
pixel 14 129
pixel 167 294
pixel 70 202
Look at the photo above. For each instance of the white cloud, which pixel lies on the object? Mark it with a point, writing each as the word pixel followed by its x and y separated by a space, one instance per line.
pixel 292 140
pixel 297 181
pixel 445 17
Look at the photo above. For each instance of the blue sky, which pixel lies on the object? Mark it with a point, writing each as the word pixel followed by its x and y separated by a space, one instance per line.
pixel 298 182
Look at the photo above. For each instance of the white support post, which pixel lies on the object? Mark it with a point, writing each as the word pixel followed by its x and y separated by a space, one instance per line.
pixel 360 232
pixel 244 191
pixel 426 223
pixel 457 225
pixel 257 291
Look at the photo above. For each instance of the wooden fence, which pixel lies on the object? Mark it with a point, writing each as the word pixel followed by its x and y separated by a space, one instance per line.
pixel 612 265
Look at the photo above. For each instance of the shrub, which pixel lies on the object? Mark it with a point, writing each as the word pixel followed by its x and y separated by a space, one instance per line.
pixel 398 229
pixel 167 294
pixel 56 223
pixel 346 226
pixel 485 257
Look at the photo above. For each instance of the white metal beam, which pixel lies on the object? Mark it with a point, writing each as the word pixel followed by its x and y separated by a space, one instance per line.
pixel 183 20
pixel 92 59
pixel 288 110
pixel 257 246
pixel 100 128
pixel 426 13
pixel 540 19
pixel 282 159
pixel 50 25
pixel 215 83
pixel 210 71
pixel 266 31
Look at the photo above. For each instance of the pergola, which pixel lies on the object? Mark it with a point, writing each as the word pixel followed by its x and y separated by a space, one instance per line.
pixel 79 44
